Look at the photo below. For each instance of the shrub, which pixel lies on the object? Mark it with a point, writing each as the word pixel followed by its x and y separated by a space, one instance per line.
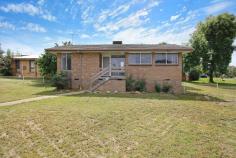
pixel 130 83
pixel 158 88
pixel 166 87
pixel 135 85
pixel 60 81
pixel 194 75
pixel 140 85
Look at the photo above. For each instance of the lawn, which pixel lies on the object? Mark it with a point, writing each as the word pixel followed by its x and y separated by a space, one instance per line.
pixel 122 125
pixel 15 88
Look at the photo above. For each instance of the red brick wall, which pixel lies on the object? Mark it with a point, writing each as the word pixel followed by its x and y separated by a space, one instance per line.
pixel 113 85
pixel 153 74
pixel 25 72
pixel 85 65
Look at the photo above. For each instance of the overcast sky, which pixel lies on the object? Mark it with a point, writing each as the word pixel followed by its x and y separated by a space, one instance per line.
pixel 30 26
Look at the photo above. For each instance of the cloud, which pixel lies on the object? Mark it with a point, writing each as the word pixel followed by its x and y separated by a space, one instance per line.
pixel 146 35
pixel 115 12
pixel 33 27
pixel 175 17
pixel 6 25
pixel 133 20
pixel 41 2
pixel 84 36
pixel 217 7
pixel 28 9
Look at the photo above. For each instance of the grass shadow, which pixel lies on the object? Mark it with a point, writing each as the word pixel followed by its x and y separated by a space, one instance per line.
pixel 221 85
pixel 160 96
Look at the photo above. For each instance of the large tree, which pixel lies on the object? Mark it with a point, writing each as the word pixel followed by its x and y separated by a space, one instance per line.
pixel 5 62
pixel 212 43
pixel 47 64
pixel 220 32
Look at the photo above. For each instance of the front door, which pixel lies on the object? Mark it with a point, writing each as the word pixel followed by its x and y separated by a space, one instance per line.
pixel 106 63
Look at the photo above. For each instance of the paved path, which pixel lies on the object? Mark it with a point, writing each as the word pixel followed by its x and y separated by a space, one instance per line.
pixel 37 98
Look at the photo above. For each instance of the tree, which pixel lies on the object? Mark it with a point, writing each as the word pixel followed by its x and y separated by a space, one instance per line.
pixel 194 59
pixel 231 71
pixel 212 42
pixel 5 62
pixel 47 64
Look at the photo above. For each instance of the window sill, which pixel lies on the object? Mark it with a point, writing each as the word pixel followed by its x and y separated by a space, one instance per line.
pixel 166 64
pixel 139 64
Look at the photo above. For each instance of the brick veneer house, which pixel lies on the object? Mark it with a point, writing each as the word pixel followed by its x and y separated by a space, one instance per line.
pixel 106 66
pixel 25 66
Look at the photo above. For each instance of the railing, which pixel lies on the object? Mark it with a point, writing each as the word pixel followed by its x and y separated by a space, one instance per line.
pixel 94 81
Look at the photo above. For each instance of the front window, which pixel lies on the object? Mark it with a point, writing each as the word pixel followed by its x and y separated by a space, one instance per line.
pixel 31 65
pixel 117 61
pixel 66 61
pixel 140 58
pixel 166 58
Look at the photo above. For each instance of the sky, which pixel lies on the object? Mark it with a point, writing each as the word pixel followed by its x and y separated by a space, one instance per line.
pixel 30 26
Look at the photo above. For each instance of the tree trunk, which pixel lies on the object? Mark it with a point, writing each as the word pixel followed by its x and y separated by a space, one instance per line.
pixel 211 78
pixel 211 74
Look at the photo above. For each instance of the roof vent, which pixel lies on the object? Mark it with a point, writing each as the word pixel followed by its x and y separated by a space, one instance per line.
pixel 117 42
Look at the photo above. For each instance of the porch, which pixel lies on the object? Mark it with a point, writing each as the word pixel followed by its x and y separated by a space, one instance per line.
pixel 113 65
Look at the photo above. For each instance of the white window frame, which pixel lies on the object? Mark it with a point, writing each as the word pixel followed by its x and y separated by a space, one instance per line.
pixel 166 58
pixel 140 58
pixel 66 62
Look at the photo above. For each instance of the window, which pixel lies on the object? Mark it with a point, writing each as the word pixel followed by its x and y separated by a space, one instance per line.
pixel 31 65
pixel 166 58
pixel 117 61
pixel 17 62
pixel 66 61
pixel 172 58
pixel 140 58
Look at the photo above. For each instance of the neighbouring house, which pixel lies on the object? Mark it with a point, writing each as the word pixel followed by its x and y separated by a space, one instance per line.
pixel 105 67
pixel 25 66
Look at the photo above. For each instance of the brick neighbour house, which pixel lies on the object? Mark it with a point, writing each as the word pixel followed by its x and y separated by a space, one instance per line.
pixel 25 66
pixel 106 67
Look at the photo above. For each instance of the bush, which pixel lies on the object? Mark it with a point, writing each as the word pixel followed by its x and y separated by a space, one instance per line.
pixel 166 87
pixel 130 84
pixel 158 88
pixel 194 75
pixel 60 81
pixel 140 85
pixel 135 85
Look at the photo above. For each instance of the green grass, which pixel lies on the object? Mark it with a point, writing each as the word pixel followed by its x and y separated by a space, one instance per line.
pixel 14 89
pixel 123 125
pixel 226 89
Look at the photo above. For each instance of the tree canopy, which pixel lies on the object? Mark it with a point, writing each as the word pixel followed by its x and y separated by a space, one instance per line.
pixel 5 63
pixel 47 64
pixel 212 43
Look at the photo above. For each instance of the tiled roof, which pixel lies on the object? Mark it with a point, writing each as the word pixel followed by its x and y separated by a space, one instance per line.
pixel 122 47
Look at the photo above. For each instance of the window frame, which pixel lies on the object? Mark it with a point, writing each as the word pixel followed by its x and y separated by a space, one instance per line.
pixel 166 61
pixel 140 58
pixel 66 62
pixel 31 69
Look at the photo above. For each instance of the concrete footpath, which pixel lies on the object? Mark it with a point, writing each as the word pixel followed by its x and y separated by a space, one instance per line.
pixel 37 98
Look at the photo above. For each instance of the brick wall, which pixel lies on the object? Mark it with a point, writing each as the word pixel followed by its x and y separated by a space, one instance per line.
pixel 25 69
pixel 85 65
pixel 113 85
pixel 153 73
